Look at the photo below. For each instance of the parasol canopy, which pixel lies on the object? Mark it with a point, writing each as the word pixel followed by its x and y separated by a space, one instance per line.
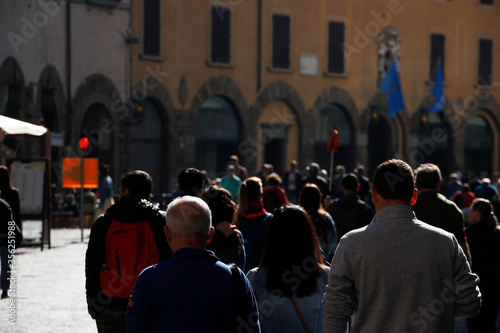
pixel 11 126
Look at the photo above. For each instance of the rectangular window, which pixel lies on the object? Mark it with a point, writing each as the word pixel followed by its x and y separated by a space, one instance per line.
pixel 335 47
pixel 437 54
pixel 485 61
pixel 281 41
pixel 221 35
pixel 152 27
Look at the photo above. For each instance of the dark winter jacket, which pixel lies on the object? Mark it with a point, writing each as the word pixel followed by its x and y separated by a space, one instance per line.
pixel 128 210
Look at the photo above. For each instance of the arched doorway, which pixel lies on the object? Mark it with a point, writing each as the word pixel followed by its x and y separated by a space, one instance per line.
pixel 478 145
pixel 50 119
pixel 435 142
pixel 98 127
pixel 277 136
pixel 380 141
pixel 217 134
pixel 335 117
pixel 147 146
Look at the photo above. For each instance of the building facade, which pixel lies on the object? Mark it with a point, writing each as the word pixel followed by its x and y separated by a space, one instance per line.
pixel 63 65
pixel 269 80
pixel 193 82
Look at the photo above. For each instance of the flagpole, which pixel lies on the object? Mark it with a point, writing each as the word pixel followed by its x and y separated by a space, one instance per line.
pixel 331 173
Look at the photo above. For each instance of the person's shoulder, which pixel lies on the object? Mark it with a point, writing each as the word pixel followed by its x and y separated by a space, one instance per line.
pixel 430 230
pixel 257 275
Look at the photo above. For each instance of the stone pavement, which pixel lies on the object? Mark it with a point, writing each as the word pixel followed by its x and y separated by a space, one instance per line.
pixel 50 286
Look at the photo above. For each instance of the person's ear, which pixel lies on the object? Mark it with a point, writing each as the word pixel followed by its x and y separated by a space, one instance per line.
pixel 210 234
pixel 374 195
pixel 168 233
pixel 414 197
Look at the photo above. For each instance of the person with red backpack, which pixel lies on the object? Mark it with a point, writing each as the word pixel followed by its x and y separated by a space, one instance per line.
pixel 124 241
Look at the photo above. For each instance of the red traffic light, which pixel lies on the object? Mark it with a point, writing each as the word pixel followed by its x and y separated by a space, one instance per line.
pixel 84 144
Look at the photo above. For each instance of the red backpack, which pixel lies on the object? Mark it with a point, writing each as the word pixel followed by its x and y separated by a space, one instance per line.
pixel 130 248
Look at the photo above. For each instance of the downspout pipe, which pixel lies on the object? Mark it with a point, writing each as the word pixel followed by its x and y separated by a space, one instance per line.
pixel 68 73
pixel 259 44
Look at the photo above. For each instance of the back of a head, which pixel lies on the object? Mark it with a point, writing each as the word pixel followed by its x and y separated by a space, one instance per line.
pixel 310 198
pixel 394 180
pixel 190 181
pixel 291 241
pixel 350 182
pixel 104 170
pixel 427 176
pixel 220 203
pixel 313 169
pixel 485 209
pixel 250 192
pixel 139 183
pixel 189 215
pixel 340 169
pixel 360 170
pixel 5 182
pixel 273 179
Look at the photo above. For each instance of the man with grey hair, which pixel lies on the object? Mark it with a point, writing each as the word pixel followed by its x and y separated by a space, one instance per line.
pixel 193 291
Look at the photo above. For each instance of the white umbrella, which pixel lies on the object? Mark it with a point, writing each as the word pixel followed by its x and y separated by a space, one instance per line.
pixel 13 126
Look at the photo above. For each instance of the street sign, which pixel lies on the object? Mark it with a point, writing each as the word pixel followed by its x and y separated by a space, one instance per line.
pixel 72 173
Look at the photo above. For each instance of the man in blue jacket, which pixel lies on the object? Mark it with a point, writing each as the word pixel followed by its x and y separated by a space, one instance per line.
pixel 193 291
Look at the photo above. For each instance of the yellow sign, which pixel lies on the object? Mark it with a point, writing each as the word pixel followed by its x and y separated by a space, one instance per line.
pixel 72 173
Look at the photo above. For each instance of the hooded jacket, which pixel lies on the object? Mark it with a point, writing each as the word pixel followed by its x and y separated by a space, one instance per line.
pixel 129 210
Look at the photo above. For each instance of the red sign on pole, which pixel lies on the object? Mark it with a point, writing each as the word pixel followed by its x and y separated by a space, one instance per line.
pixel 72 173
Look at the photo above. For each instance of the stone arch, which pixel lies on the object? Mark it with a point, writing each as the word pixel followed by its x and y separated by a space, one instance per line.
pixel 398 125
pixel 49 78
pixel 337 95
pixel 219 86
pixel 430 141
pixel 11 72
pixel 485 105
pixel 97 88
pixel 152 89
pixel 280 90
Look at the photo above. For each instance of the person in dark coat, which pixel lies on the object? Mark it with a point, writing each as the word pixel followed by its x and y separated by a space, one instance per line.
pixel 135 210
pixel 349 212
pixel 10 194
pixel 227 242
pixel 483 236
pixel 10 239
pixel 314 178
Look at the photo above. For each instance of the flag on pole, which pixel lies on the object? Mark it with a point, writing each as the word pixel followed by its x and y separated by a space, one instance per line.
pixel 438 92
pixel 392 85
pixel 333 142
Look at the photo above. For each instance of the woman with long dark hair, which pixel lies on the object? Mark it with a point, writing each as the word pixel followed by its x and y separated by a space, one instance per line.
pixel 10 194
pixel 290 282
pixel 310 200
pixel 252 220
pixel 483 236
pixel 227 242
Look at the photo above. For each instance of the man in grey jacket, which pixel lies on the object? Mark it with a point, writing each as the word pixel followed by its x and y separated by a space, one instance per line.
pixel 398 274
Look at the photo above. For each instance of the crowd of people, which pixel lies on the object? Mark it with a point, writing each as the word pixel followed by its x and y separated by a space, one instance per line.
pixel 297 254
pixel 409 251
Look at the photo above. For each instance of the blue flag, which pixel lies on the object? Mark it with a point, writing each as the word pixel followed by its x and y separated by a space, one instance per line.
pixel 392 86
pixel 438 92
